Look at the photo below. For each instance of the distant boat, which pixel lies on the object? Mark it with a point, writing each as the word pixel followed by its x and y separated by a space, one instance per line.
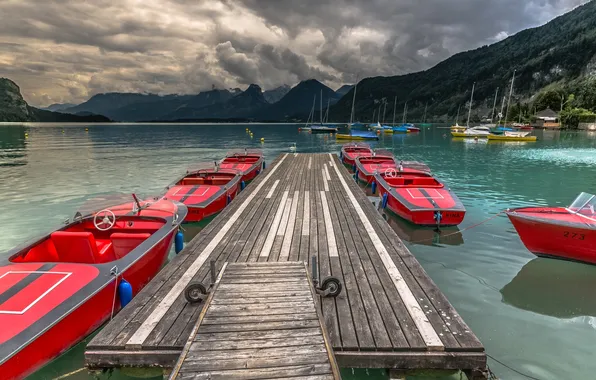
pixel 322 128
pixel 479 131
pixel 357 135
pixel 401 129
pixel 499 130
pixel 512 136
pixel 358 125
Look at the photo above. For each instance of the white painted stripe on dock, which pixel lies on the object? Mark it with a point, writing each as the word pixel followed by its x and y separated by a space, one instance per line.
pixel 325 180
pixel 331 242
pixel 270 193
pixel 137 339
pixel 309 162
pixel 306 215
pixel 427 331
pixel 287 243
pixel 274 226
pixel 327 173
pixel 281 231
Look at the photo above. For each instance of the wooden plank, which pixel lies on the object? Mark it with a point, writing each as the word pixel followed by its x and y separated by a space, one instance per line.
pixel 274 226
pixel 309 305
pixel 225 364
pixel 259 300
pixel 281 317
pixel 272 190
pixel 257 343
pixel 275 352
pixel 264 373
pixel 412 360
pixel 289 234
pixel 248 335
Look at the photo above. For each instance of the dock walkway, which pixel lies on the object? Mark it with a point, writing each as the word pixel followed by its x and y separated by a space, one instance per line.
pixel 390 314
pixel 261 321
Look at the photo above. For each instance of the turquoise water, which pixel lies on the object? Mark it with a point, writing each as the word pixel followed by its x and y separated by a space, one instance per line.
pixel 536 315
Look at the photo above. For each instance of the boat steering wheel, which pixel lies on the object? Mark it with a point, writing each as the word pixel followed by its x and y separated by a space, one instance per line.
pixel 390 173
pixel 104 220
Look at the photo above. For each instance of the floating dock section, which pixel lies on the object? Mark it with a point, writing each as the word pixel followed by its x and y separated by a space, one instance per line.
pixel 389 313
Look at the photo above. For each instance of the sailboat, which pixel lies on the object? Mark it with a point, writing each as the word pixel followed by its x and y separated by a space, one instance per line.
pixel 403 128
pixel 321 128
pixel 424 123
pixel 354 124
pixel 501 128
pixel 306 127
pixel 457 127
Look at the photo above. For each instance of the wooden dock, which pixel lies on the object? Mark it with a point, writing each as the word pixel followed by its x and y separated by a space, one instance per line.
pixel 390 314
pixel 260 321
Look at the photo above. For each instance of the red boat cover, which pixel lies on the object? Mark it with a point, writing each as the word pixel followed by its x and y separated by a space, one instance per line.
pixel 28 292
pixel 192 195
pixel 428 198
pixel 242 167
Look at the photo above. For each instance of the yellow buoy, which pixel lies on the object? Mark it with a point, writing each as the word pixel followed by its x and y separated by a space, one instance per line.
pixel 63 131
pixel 86 129
pixel 262 139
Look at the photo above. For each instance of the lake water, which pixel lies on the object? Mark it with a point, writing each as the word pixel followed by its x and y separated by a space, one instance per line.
pixel 535 315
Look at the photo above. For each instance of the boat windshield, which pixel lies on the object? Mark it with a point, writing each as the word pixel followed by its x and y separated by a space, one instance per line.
pixel 244 152
pixel 93 205
pixel 584 204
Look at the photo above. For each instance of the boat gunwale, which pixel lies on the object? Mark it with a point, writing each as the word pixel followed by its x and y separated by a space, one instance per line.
pixel 171 224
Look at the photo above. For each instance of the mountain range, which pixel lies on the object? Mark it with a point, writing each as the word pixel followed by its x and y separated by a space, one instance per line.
pixel 282 103
pixel 559 55
pixel 14 108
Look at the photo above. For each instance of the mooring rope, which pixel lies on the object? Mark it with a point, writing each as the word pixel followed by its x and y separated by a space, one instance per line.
pixel 115 291
pixel 69 374
pixel 459 231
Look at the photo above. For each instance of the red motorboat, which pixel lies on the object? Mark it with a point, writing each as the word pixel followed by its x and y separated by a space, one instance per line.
pixel 419 198
pixel 367 167
pixel 561 232
pixel 59 288
pixel 349 152
pixel 205 190
pixel 249 162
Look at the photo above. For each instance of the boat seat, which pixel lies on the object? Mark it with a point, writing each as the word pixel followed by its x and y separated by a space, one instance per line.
pixel 75 247
pixel 123 242
pixel 193 181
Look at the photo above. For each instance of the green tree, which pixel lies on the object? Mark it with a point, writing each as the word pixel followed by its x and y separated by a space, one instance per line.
pixel 548 99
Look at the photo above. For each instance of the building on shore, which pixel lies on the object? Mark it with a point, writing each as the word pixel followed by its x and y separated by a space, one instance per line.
pixel 546 119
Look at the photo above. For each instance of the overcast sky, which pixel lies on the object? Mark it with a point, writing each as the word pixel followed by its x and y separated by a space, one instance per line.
pixel 67 50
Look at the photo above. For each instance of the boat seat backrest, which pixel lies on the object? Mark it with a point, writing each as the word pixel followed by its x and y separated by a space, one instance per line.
pixel 75 247
pixel 123 243
pixel 425 181
pixel 193 181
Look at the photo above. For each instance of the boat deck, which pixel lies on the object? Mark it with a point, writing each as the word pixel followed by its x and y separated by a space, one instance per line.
pixel 389 314
pixel 261 321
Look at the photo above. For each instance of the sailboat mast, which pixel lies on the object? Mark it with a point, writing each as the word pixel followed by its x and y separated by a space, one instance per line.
pixel 394 106
pixel 424 117
pixel 321 105
pixel 510 93
pixel 502 107
pixel 457 117
pixel 326 118
pixel 353 102
pixel 384 109
pixel 312 111
pixel 492 115
pixel 374 113
pixel 470 107
pixel 403 118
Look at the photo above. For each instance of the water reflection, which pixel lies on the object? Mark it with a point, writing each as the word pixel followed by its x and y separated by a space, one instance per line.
pixel 555 288
pixel 13 149
pixel 423 235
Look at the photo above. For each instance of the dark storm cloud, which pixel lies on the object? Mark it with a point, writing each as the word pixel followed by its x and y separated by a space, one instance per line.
pixel 68 50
